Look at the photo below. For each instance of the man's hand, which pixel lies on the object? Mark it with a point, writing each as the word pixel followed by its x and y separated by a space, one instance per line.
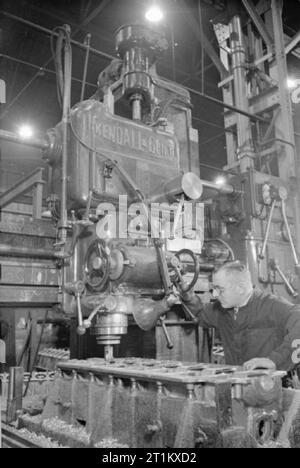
pixel 259 363
pixel 188 296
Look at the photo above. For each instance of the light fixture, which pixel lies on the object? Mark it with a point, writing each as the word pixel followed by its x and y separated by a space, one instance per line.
pixel 220 181
pixel 292 83
pixel 25 132
pixel 154 14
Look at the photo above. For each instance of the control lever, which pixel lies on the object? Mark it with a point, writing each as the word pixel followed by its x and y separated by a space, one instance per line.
pixel 87 323
pixel 275 266
pixel 295 256
pixel 189 313
pixel 170 345
pixel 263 249
pixel 77 288
pixel 163 266
pixel 80 328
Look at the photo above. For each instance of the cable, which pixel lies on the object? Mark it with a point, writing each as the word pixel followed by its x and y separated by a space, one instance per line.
pixel 63 39
pixel 42 70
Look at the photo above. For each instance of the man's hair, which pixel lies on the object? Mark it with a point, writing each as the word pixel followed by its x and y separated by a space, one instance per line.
pixel 236 268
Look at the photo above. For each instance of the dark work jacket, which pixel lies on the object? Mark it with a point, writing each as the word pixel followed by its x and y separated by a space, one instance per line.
pixel 267 326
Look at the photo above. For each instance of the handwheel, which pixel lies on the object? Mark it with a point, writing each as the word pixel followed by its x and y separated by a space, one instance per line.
pixel 182 268
pixel 96 266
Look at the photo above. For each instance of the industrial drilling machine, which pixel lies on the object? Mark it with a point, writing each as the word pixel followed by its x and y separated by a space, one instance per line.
pixel 128 206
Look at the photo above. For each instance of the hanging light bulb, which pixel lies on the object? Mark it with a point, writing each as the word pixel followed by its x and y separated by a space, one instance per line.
pixel 25 132
pixel 154 14
pixel 220 181
pixel 292 83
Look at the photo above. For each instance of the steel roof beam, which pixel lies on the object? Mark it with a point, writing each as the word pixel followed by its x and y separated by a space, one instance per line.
pixel 257 20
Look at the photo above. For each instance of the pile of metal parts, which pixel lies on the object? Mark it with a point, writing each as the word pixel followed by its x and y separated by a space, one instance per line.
pixel 151 403
pixel 48 358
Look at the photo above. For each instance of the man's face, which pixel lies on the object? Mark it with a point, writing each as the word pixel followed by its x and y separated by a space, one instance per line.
pixel 227 290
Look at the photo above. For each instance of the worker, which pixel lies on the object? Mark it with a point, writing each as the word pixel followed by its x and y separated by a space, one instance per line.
pixel 257 329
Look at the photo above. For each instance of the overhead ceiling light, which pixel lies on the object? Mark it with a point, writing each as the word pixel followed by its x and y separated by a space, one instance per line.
pixel 25 132
pixel 154 14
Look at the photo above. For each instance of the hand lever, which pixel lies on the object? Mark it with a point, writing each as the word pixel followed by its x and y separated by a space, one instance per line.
pixel 274 264
pixel 163 325
pixel 189 313
pixel 263 248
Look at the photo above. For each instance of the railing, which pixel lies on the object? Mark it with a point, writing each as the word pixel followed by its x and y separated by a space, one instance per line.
pixel 33 181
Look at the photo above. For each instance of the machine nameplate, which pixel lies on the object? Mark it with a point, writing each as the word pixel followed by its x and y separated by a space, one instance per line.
pixel 115 134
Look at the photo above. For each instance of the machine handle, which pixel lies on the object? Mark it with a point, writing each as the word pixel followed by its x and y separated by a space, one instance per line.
pixel 189 313
pixel 170 345
pixel 287 226
pixel 290 288
pixel 263 249
pixel 81 328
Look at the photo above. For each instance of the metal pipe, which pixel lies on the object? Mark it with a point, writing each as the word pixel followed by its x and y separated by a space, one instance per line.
pixel 238 54
pixel 217 169
pixel 224 189
pixel 173 52
pixel 293 43
pixel 34 142
pixel 65 128
pixel 217 102
pixel 10 251
pixel 86 61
